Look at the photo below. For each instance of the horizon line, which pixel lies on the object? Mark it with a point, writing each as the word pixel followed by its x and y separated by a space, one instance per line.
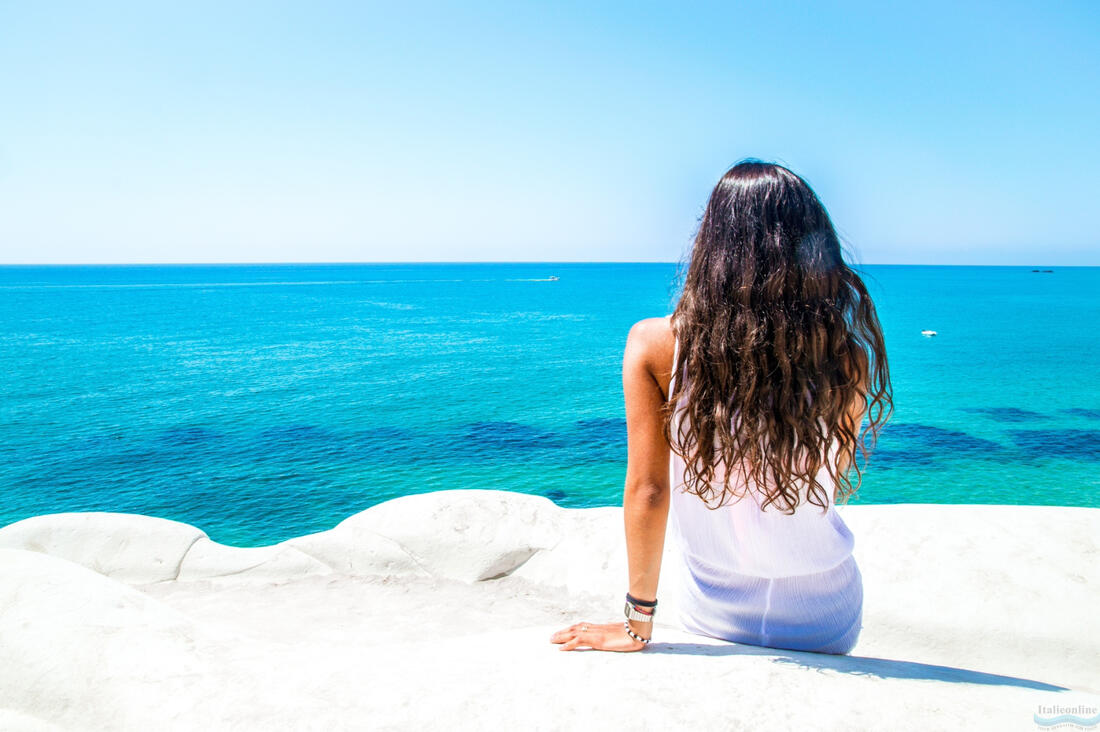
pixel 483 261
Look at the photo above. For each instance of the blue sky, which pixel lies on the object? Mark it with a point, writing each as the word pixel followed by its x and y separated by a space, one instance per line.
pixel 942 133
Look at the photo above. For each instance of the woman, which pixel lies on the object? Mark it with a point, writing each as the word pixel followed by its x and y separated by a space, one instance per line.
pixel 744 410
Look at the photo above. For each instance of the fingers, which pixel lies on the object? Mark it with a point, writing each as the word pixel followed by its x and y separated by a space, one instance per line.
pixel 576 636
pixel 562 636
pixel 585 637
pixel 571 645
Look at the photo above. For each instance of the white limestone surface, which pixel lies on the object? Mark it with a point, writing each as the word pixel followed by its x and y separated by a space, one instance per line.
pixel 434 612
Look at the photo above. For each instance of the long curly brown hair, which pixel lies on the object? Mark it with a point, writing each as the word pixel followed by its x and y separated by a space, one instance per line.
pixel 778 341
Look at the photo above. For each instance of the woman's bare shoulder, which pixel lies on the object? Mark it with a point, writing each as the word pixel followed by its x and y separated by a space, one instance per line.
pixel 653 330
pixel 653 342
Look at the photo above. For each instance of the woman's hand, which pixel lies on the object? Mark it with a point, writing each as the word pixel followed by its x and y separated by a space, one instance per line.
pixel 609 637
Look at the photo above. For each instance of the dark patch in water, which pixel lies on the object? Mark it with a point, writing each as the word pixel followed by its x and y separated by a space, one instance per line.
pixel 295 433
pixel 503 437
pixel 886 458
pixel 607 429
pixel 388 443
pixel 1081 412
pixel 932 440
pixel 915 445
pixel 1007 414
pixel 555 495
pixel 1067 443
pixel 598 440
pixel 187 436
pixel 301 442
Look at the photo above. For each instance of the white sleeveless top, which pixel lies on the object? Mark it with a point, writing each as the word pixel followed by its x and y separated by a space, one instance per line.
pixel 763 577
pixel 740 537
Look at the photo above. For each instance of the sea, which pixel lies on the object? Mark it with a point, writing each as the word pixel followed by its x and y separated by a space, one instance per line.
pixel 262 402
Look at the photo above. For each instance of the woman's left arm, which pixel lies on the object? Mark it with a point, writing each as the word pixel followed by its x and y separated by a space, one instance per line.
pixel 646 493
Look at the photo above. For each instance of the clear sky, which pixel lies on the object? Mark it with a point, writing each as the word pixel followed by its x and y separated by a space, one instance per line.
pixel 942 133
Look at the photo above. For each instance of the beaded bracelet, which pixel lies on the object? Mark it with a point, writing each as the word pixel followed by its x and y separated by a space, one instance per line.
pixel 635 636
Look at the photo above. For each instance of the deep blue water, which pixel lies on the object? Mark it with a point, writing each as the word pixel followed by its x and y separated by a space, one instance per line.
pixel 261 402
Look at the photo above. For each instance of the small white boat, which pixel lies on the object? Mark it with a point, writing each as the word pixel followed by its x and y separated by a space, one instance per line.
pixel 928 333
pixel 552 278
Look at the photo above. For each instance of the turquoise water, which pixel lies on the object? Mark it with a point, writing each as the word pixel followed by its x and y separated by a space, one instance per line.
pixel 261 402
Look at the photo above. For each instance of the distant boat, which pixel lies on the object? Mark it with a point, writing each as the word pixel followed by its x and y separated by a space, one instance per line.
pixel 928 333
pixel 552 278
pixel 1042 270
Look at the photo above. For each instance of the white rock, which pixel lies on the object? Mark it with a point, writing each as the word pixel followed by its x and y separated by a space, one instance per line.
pixel 66 633
pixel 974 615
pixel 18 722
pixel 1009 587
pixel 359 552
pixel 208 559
pixel 126 546
pixel 470 535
